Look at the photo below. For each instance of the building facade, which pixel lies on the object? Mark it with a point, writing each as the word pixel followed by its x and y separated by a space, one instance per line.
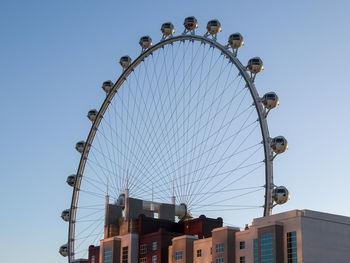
pixel 302 236
pixel 297 236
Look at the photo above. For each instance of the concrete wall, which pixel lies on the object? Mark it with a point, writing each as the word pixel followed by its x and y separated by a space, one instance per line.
pixel 247 236
pixel 132 241
pixel 185 244
pixel 204 245
pixel 114 243
pixel 326 238
pixel 225 235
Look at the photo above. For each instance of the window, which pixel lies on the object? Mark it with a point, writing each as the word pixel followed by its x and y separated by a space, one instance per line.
pixel 107 255
pixel 199 253
pixel 292 247
pixel 242 245
pixel 178 255
pixel 256 250
pixel 154 246
pixel 211 250
pixel 143 249
pixel 266 246
pixel 154 259
pixel 241 259
pixel 219 247
pixel 143 260
pixel 93 259
pixel 219 260
pixel 125 254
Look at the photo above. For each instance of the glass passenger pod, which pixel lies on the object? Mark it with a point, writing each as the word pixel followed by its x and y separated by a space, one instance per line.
pixel 214 27
pixel 80 146
pixel 280 195
pixel 255 65
pixel 65 215
pixel 64 250
pixel 235 40
pixel 270 100
pixel 71 180
pixel 145 42
pixel 107 86
pixel 92 115
pixel 167 29
pixel 125 61
pixel 279 144
pixel 190 23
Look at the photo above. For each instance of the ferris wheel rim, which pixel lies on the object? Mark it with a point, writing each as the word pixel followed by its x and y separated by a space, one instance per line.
pixel 268 202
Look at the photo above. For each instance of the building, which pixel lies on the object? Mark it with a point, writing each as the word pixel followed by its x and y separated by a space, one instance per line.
pixel 302 236
pixel 133 235
pixel 139 237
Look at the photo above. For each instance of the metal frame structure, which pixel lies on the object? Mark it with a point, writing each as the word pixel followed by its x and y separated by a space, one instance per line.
pixel 268 152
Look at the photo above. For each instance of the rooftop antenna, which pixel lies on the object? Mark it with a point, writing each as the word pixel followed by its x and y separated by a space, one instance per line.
pixel 106 205
pixel 127 185
pixel 173 196
pixel 152 206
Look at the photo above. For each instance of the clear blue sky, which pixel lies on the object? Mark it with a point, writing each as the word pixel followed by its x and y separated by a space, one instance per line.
pixel 55 54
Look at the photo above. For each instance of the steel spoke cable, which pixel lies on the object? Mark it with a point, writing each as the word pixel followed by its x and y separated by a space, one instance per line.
pixel 161 150
pixel 134 148
pixel 89 214
pixel 177 151
pixel 138 168
pixel 106 157
pixel 87 227
pixel 171 118
pixel 86 237
pixel 217 111
pixel 92 193
pixel 209 195
pixel 234 197
pixel 226 172
pixel 113 167
pixel 224 191
pixel 212 103
pixel 244 161
pixel 203 146
pixel 93 181
pixel 100 150
pixel 233 140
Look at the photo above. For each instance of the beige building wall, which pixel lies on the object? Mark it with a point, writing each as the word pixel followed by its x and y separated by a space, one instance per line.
pixel 115 244
pixel 132 241
pixel 247 236
pixel 185 244
pixel 321 237
pixel 205 245
pixel 226 236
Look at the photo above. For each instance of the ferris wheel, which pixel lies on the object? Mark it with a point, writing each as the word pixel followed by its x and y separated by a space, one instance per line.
pixel 183 124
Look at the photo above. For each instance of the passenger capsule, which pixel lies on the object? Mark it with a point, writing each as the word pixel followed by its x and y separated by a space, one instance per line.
pixel 214 27
pixel 255 65
pixel 167 29
pixel 145 42
pixel 280 195
pixel 235 41
pixel 65 215
pixel 125 61
pixel 92 115
pixel 190 24
pixel 279 144
pixel 71 180
pixel 80 146
pixel 64 250
pixel 270 100
pixel 107 86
